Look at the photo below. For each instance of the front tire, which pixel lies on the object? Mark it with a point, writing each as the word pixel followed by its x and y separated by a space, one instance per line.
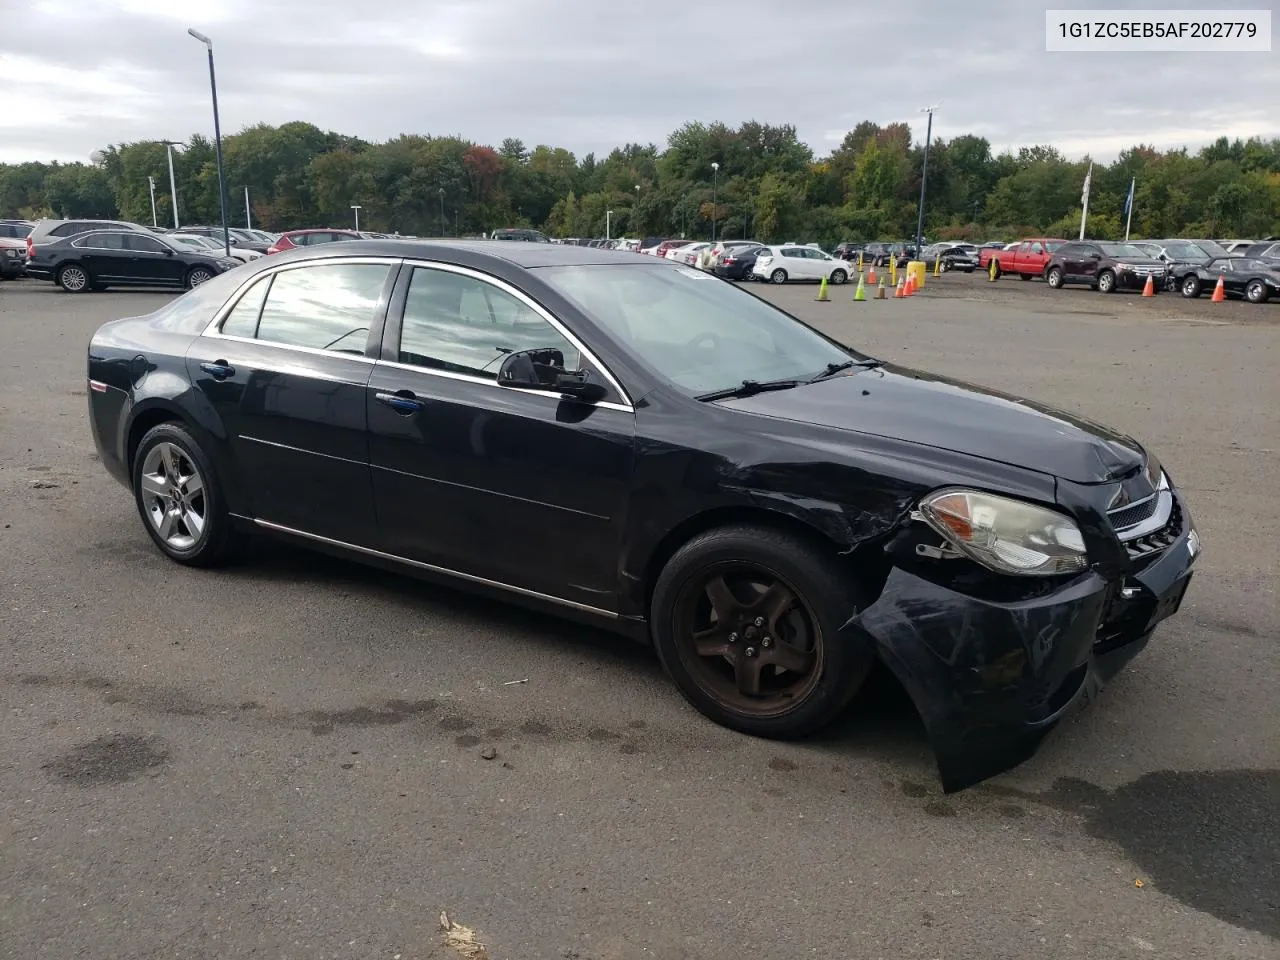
pixel 838 277
pixel 1256 292
pixel 197 276
pixel 1191 287
pixel 778 276
pixel 74 278
pixel 179 497
pixel 747 622
pixel 1107 281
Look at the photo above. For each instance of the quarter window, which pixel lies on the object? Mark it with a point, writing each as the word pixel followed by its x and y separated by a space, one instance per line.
pixel 465 325
pixel 328 307
pixel 242 321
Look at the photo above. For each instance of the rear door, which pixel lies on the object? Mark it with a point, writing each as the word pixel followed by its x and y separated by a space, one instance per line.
pixel 285 372
pixel 519 487
pixel 104 256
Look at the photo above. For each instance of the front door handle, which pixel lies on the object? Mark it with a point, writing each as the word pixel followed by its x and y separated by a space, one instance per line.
pixel 402 402
pixel 219 369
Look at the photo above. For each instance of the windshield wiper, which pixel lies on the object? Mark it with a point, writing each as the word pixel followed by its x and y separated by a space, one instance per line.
pixel 833 368
pixel 748 388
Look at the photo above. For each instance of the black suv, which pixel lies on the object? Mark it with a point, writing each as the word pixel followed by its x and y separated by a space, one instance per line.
pixel 1104 266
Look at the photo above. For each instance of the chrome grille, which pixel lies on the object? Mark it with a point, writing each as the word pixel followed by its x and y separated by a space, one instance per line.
pixel 1133 514
pixel 1162 539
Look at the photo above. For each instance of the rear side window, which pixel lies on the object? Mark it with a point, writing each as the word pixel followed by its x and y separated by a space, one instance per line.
pixel 17 230
pixel 99 240
pixel 327 307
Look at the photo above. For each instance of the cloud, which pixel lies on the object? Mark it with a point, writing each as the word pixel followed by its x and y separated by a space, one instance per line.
pixel 590 76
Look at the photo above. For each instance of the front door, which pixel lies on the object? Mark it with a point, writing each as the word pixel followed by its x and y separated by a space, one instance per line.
pixel 285 377
pixel 521 487
pixel 152 262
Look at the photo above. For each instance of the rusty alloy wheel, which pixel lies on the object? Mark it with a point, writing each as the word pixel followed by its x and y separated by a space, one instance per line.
pixel 748 639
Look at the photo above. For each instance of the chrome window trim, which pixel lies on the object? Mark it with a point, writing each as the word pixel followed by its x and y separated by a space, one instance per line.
pixel 212 328
pixel 433 568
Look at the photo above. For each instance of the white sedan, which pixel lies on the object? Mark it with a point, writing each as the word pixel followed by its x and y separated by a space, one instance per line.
pixel 205 244
pixel 689 253
pixel 780 264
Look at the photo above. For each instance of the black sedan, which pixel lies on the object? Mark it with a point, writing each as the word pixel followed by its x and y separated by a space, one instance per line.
pixel 737 263
pixel 1254 280
pixel 132 258
pixel 646 447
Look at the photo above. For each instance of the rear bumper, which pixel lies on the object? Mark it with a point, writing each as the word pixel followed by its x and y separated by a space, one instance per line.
pixel 990 679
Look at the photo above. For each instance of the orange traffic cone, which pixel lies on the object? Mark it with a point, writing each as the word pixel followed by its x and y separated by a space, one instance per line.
pixel 910 289
pixel 1150 289
pixel 871 274
pixel 1219 290
pixel 899 290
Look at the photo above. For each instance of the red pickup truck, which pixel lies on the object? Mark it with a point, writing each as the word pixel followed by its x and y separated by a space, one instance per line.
pixel 1027 258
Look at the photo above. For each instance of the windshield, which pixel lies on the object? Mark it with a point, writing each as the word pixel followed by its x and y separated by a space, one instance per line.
pixel 1121 250
pixel 1187 251
pixel 697 331
pixel 1211 247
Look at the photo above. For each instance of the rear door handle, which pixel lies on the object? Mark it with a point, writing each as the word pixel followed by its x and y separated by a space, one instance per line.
pixel 403 402
pixel 219 369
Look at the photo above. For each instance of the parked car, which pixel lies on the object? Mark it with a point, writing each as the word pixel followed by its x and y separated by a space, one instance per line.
pixel 689 254
pixel 848 251
pixel 780 264
pixel 52 229
pixel 1264 250
pixel 1235 247
pixel 1174 251
pixel 520 233
pixel 100 258
pixel 738 263
pixel 780 513
pixel 951 256
pixel 241 239
pixel 195 241
pixel 1247 278
pixel 721 247
pixel 310 238
pixel 1104 266
pixel 668 245
pixel 1027 258
pixel 15 229
pixel 13 258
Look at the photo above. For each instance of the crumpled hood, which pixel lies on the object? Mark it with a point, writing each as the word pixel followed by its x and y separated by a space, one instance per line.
pixel 924 408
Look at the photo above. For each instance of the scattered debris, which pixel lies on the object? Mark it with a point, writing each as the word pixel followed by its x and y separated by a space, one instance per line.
pixel 488 753
pixel 1139 883
pixel 512 682
pixel 462 940
pixel 43 485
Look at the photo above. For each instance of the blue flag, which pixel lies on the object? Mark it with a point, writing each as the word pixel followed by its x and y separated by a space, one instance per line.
pixel 1128 201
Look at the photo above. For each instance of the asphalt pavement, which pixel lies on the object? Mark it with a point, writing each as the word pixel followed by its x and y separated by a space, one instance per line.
pixel 302 757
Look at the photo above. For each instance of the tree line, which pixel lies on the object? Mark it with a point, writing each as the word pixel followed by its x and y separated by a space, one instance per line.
pixel 768 186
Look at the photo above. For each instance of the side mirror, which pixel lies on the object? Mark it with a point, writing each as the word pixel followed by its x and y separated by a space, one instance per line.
pixel 168 251
pixel 544 370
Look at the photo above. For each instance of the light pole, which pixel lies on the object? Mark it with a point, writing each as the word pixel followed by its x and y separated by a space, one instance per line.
pixel 173 184
pixel 924 177
pixel 217 139
pixel 151 188
pixel 635 211
pixel 441 192
pixel 715 186
pixel 608 216
pixel 356 208
pixel 248 218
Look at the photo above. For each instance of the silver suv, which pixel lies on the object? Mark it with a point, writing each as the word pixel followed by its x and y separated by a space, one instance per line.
pixel 49 228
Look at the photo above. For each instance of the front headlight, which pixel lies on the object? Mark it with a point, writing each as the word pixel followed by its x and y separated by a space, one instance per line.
pixel 1005 535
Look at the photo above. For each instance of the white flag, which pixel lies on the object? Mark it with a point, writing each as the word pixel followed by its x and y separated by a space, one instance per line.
pixel 1088 177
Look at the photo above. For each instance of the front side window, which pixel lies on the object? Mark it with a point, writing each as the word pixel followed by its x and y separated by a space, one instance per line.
pixel 242 321
pixel 698 332
pixel 327 307
pixel 136 241
pixel 463 324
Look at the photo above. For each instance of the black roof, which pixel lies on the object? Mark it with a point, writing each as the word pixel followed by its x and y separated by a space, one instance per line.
pixel 467 251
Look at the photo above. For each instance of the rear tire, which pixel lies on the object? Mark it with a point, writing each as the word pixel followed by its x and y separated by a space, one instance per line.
pixel 1027 276
pixel 778 276
pixel 74 278
pixel 718 628
pixel 179 498
pixel 1054 278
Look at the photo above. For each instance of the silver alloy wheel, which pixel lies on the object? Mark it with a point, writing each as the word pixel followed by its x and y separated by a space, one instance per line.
pixel 1191 287
pixel 198 276
pixel 1055 278
pixel 73 278
pixel 1106 281
pixel 173 496
pixel 1256 292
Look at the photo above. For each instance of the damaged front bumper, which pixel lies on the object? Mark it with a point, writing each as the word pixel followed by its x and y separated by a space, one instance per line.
pixel 991 678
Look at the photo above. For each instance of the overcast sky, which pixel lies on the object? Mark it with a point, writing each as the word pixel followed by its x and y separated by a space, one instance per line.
pixel 592 74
